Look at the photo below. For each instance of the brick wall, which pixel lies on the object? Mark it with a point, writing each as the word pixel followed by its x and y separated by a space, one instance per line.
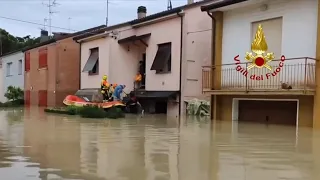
pixel 54 71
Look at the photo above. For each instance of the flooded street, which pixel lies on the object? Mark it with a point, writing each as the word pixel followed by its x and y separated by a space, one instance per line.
pixel 35 145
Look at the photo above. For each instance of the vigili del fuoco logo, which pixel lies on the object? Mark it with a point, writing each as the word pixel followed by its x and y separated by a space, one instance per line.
pixel 259 58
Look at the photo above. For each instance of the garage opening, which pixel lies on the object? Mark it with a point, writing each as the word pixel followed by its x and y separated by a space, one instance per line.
pixel 270 112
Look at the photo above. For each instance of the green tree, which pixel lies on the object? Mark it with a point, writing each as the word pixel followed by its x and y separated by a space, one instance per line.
pixel 11 43
pixel 14 93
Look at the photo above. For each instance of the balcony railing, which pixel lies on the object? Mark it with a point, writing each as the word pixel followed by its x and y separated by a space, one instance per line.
pixel 293 73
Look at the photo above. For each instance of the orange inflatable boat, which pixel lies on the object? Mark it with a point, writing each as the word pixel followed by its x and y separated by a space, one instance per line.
pixel 82 98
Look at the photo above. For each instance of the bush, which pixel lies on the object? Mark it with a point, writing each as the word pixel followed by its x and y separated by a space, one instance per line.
pixel 114 113
pixel 14 93
pixel 89 112
pixel 57 111
pixel 73 110
pixel 92 112
pixel 14 103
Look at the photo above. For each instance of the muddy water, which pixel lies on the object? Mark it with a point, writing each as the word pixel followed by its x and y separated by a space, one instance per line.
pixel 34 145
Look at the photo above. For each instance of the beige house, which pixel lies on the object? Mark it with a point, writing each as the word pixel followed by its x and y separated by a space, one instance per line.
pixel 286 94
pixel 171 46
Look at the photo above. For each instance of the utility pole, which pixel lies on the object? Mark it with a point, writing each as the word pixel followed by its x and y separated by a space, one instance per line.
pixel 107 18
pixel 51 4
pixel 69 24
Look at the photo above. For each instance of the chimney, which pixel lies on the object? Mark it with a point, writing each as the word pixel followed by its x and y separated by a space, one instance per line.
pixel 57 35
pixel 44 36
pixel 190 1
pixel 142 12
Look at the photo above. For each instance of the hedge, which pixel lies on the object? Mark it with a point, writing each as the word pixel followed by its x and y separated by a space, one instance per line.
pixel 89 111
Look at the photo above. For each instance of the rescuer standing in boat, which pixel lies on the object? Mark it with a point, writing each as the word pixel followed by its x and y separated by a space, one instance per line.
pixel 105 87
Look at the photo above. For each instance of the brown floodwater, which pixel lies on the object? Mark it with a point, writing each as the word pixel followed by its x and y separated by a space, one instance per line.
pixel 35 145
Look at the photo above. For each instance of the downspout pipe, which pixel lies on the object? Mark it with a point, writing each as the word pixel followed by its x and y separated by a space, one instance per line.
pixel 213 51
pixel 213 44
pixel 181 48
pixel 80 44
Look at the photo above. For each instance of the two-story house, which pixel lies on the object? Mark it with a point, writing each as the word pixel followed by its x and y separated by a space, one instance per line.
pixel 282 91
pixel 168 48
pixel 52 69
pixel 12 71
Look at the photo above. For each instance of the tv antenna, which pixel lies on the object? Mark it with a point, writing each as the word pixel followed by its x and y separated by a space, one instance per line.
pixel 169 7
pixel 51 4
pixel 45 20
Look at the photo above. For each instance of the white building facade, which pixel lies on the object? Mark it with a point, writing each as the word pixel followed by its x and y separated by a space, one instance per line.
pixel 12 73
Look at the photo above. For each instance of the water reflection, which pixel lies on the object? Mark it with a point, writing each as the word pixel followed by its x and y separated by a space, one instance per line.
pixel 46 146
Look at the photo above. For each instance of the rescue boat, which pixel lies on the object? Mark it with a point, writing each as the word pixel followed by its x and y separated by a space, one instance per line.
pixel 84 97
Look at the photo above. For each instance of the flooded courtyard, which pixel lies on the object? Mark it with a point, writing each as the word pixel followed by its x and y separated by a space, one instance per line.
pixel 35 145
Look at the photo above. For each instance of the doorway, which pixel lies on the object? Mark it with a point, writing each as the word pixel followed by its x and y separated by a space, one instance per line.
pixel 142 71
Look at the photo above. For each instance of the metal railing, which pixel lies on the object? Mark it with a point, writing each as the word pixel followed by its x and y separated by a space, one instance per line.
pixel 293 73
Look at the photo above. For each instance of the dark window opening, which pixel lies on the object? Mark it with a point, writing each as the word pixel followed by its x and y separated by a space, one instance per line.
pixel 95 69
pixel 92 64
pixel 162 60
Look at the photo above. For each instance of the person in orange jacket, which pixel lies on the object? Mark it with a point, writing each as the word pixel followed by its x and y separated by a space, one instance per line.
pixel 137 80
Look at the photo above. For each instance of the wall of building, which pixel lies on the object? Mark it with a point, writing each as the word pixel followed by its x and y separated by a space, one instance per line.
pixel 2 98
pixel 14 78
pixel 68 69
pixel 59 78
pixel 88 81
pixel 196 53
pixel 168 81
pixel 118 62
pixel 298 17
pixel 36 79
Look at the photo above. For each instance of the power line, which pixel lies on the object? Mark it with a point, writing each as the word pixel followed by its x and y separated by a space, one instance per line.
pixel 89 0
pixel 34 23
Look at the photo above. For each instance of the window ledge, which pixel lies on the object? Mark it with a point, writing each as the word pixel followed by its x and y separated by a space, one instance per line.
pixel 9 75
pixel 93 74
pixel 42 68
pixel 163 72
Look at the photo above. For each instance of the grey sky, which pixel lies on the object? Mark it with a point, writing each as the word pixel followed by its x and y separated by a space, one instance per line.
pixel 84 14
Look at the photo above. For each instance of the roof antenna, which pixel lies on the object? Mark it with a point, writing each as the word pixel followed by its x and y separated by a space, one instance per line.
pixel 51 4
pixel 169 7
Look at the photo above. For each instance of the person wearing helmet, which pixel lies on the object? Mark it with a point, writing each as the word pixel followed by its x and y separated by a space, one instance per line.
pixel 105 87
pixel 117 92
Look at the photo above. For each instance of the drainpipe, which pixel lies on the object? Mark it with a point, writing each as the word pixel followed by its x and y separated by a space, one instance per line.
pixel 180 77
pixel 79 64
pixel 213 52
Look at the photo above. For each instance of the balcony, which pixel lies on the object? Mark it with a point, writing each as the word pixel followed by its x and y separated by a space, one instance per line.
pixel 294 76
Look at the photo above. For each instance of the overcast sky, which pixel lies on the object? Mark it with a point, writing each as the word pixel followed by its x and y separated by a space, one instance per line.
pixel 83 14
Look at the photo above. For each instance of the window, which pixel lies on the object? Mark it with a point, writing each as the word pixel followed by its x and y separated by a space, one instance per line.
pixel 9 66
pixel 20 67
pixel 92 64
pixel 43 58
pixel 162 61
